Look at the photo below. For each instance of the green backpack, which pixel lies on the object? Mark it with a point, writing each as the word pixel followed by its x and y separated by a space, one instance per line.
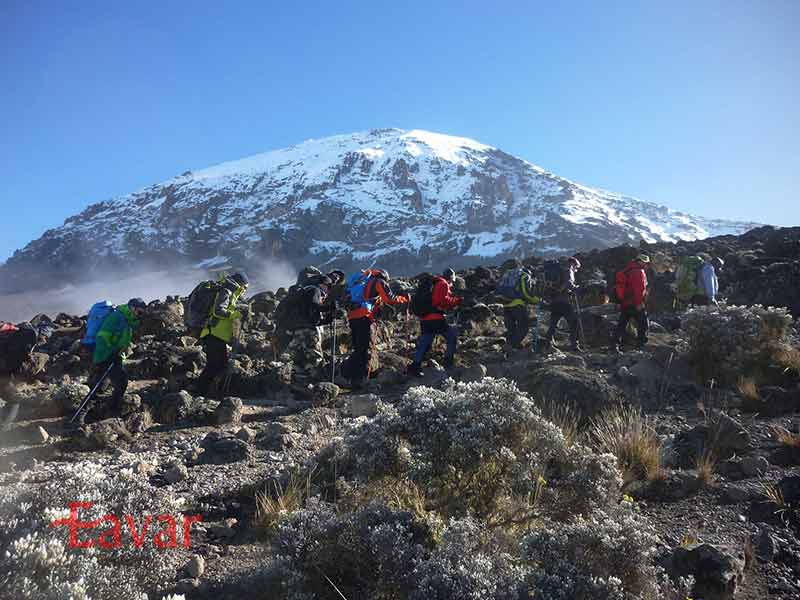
pixel 686 278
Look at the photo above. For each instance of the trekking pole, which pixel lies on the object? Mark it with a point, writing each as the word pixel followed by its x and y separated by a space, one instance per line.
pixel 580 320
pixel 333 350
pixel 93 391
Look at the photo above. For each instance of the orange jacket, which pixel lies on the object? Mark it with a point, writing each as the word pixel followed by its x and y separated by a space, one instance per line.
pixel 376 290
pixel 442 300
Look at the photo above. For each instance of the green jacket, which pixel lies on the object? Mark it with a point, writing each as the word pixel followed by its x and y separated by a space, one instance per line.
pixel 224 315
pixel 527 296
pixel 115 334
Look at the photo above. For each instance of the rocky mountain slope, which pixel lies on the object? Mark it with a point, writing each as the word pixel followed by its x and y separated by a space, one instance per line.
pixel 478 488
pixel 405 199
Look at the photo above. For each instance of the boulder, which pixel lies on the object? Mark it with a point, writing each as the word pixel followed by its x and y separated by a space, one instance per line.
pixel 588 391
pixel 721 435
pixel 324 393
pixel 228 411
pixel 102 434
pixel 68 397
pixel 182 407
pixel 365 405
pixel 717 573
pixel 224 450
pixel 176 472
pixel 196 566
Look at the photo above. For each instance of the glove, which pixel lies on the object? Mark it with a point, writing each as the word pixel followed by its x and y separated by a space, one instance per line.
pixel 404 299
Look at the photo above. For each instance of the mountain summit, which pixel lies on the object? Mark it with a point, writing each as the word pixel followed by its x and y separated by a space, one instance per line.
pixel 407 200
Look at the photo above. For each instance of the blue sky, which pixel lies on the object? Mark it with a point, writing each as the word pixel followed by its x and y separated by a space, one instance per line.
pixel 693 104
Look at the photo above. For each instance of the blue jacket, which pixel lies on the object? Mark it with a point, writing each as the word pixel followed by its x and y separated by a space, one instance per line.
pixel 707 281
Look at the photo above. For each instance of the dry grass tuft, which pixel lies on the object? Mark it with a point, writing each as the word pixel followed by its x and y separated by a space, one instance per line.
pixel 785 437
pixel 789 359
pixel 705 464
pixel 563 415
pixel 747 388
pixel 624 432
pixel 276 504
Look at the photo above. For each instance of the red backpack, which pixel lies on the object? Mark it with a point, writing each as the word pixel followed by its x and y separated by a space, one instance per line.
pixel 620 284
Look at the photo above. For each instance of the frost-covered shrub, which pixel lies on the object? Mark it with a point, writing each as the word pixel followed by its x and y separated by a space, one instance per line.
pixel 606 556
pixel 370 553
pixel 35 560
pixel 727 342
pixel 469 564
pixel 479 449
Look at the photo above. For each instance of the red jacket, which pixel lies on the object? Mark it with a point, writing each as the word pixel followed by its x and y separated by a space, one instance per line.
pixel 443 300
pixel 376 289
pixel 635 285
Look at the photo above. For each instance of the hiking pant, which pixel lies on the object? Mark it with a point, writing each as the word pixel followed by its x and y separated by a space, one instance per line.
pixel 561 309
pixel 358 363
pixel 216 362
pixel 8 392
pixel 430 329
pixel 117 377
pixel 517 323
pixel 639 316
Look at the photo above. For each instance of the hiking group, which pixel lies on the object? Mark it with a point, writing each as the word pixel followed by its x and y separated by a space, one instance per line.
pixel 213 314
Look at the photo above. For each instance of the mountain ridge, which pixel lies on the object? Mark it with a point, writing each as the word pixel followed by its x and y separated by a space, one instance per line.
pixel 407 199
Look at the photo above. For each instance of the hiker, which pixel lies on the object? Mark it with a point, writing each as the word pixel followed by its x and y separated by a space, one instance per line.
pixel 631 291
pixel 111 341
pixel 708 282
pixel 562 300
pixel 222 322
pixel 433 298
pixel 364 295
pixel 299 319
pixel 16 345
pixel 517 284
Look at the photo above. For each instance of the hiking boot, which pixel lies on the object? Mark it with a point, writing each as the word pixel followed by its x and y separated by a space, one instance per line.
pixel 414 370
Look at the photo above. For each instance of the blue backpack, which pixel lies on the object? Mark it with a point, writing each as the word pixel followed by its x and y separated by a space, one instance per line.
pixel 354 291
pixel 97 314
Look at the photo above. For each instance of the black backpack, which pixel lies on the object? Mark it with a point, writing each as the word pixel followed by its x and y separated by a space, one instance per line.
pixel 422 298
pixel 16 345
pixel 296 308
pixel 199 306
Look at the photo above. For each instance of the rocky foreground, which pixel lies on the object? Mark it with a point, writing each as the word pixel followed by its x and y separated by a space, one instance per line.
pixel 669 472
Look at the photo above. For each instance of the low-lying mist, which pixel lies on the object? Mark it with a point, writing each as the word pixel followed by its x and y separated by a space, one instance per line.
pixel 150 285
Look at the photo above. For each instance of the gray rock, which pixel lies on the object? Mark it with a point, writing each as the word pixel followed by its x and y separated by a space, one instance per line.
pixel 196 566
pixel 246 434
pixel 324 393
pixel 102 434
pixel 225 450
pixel 717 574
pixel 754 466
pixel 588 391
pixel 734 494
pixel 224 530
pixel 473 373
pixel 765 545
pixel 228 411
pixel 68 397
pixel 176 472
pixel 365 405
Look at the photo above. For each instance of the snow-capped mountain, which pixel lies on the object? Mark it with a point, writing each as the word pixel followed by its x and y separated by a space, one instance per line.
pixel 406 200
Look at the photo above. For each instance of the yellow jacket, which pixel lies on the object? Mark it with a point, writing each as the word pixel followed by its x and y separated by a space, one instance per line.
pixel 224 316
